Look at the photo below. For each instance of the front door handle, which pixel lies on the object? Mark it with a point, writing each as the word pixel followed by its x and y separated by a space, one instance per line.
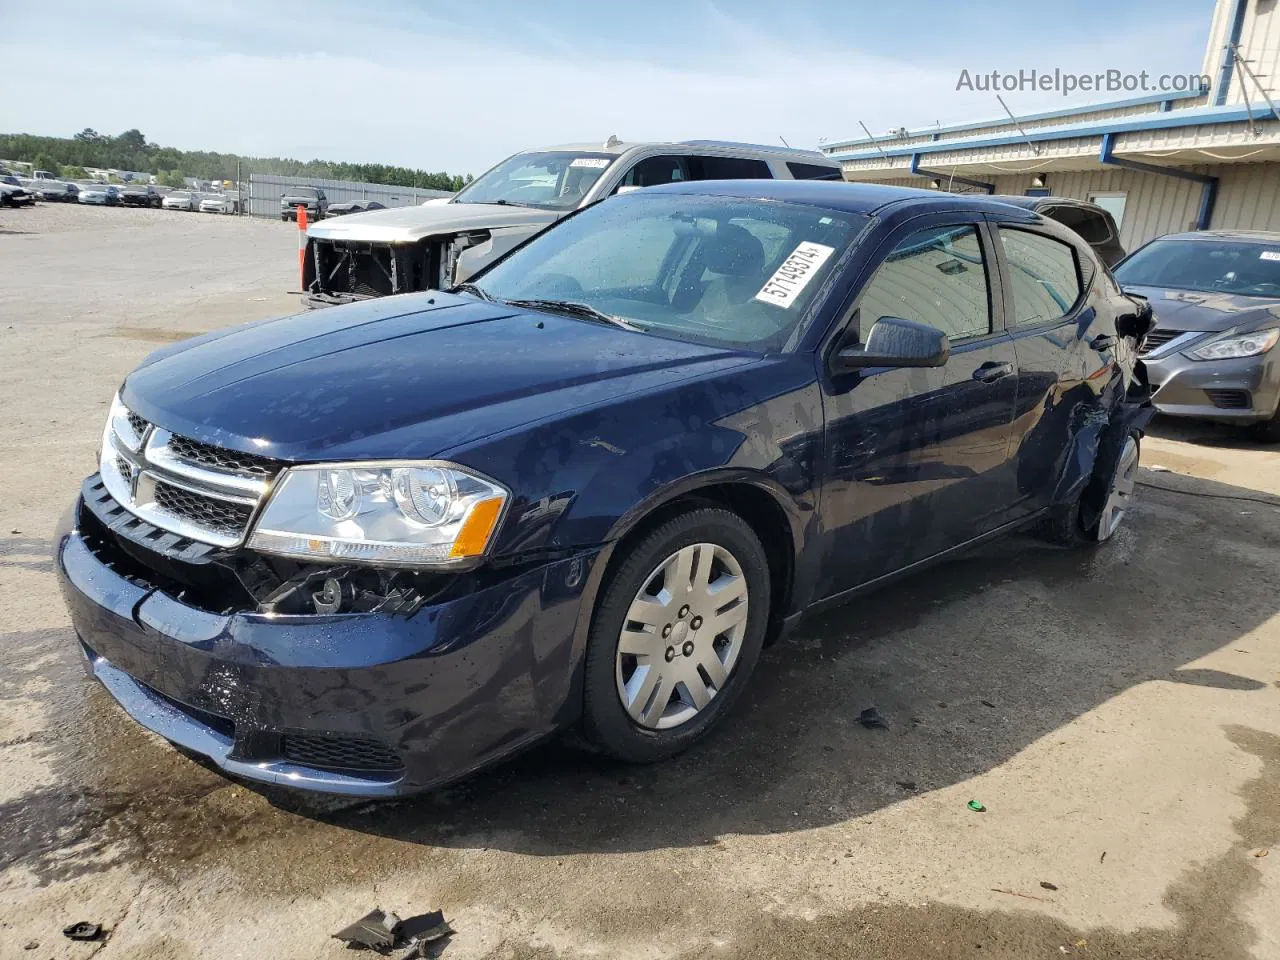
pixel 992 371
pixel 1102 342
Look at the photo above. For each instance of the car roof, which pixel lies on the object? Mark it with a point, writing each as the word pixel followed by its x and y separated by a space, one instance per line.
pixel 1039 203
pixel 619 147
pixel 866 198
pixel 1237 236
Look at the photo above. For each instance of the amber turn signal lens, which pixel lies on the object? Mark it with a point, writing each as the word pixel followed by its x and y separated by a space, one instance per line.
pixel 476 530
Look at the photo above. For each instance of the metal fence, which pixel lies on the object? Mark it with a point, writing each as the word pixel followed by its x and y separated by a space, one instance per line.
pixel 265 190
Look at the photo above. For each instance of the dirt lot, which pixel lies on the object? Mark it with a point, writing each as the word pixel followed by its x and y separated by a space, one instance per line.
pixel 1118 713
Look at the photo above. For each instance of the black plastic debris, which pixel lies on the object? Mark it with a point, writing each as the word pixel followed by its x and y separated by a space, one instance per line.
pixel 374 931
pixel 426 935
pixel 1046 885
pixel 871 719
pixel 988 703
pixel 83 931
pixel 429 934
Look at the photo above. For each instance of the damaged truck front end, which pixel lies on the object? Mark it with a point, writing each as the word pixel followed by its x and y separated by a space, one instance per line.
pixel 410 249
pixel 337 271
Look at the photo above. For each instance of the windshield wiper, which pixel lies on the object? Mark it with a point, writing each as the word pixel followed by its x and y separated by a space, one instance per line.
pixel 584 311
pixel 475 291
pixel 499 203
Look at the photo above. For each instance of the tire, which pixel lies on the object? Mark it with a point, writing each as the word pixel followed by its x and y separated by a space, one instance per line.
pixel 1268 431
pixel 1091 518
pixel 707 673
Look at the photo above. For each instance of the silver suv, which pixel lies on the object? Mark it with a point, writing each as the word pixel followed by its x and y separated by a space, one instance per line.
pixel 443 242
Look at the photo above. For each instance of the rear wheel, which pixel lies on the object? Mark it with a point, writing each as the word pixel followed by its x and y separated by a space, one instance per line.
pixel 1096 515
pixel 676 635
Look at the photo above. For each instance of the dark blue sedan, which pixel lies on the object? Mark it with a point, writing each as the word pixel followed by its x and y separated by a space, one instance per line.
pixel 371 549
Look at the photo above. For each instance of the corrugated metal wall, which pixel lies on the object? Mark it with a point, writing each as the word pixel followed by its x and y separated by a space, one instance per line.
pixel 265 190
pixel 1249 197
pixel 1259 43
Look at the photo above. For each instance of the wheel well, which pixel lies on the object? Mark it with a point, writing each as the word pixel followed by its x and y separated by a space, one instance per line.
pixel 761 512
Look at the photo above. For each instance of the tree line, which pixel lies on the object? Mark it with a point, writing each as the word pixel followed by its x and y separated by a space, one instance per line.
pixel 69 156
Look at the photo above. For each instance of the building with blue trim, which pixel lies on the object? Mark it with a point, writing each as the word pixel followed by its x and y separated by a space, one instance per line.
pixel 1206 158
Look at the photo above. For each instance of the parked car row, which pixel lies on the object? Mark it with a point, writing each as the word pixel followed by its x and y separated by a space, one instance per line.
pixel 105 194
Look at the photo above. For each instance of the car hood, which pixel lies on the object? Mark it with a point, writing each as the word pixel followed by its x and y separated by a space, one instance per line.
pixel 406 376
pixel 410 224
pixel 1185 310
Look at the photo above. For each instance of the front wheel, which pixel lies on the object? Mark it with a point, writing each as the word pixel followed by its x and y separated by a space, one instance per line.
pixel 676 635
pixel 1269 430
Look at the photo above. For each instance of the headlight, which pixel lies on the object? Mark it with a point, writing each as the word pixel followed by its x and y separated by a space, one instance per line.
pixel 420 513
pixel 1233 346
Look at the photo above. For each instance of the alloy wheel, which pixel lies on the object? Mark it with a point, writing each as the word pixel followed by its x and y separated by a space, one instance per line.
pixel 1120 491
pixel 681 636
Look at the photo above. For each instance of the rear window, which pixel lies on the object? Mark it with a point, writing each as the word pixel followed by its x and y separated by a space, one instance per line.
pixel 813 171
pixel 1091 225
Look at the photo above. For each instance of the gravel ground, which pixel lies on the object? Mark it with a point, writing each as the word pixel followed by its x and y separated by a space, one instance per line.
pixel 1117 712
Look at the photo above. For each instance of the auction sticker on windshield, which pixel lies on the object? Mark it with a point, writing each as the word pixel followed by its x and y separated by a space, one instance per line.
pixel 1270 255
pixel 595 163
pixel 795 273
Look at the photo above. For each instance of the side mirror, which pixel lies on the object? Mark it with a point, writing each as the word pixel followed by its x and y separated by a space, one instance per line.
pixel 894 342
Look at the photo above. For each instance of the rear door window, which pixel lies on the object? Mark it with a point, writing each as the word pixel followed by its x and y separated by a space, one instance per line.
pixel 1045 276
pixel 653 171
pixel 728 168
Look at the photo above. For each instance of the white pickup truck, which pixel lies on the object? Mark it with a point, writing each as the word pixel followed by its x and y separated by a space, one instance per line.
pixel 440 244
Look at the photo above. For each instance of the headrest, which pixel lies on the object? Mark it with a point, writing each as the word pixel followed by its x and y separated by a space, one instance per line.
pixel 734 252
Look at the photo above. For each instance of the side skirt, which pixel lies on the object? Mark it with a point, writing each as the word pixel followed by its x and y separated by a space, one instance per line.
pixel 838 599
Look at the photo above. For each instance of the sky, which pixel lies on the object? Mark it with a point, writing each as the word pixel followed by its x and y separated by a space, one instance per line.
pixel 458 86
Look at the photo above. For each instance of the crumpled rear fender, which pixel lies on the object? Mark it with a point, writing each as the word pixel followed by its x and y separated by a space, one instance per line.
pixel 1098 435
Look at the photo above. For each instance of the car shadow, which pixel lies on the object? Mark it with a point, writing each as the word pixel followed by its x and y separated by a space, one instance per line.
pixel 1205 433
pixel 968 663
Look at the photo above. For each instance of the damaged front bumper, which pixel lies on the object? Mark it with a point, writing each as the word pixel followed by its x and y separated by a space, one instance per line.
pixel 364 704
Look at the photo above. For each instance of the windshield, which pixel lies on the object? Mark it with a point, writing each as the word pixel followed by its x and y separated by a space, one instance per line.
pixel 553 180
pixel 179 196
pixel 717 270
pixel 1211 266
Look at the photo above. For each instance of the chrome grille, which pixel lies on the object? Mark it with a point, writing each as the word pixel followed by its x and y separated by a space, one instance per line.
pixel 1157 340
pixel 218 458
pixel 202 510
pixel 179 485
pixel 138 425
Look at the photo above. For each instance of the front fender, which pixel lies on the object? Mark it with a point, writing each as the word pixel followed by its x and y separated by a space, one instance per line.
pixel 588 477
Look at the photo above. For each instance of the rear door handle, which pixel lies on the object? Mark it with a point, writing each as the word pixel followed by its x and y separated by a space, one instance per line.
pixel 1102 342
pixel 992 370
